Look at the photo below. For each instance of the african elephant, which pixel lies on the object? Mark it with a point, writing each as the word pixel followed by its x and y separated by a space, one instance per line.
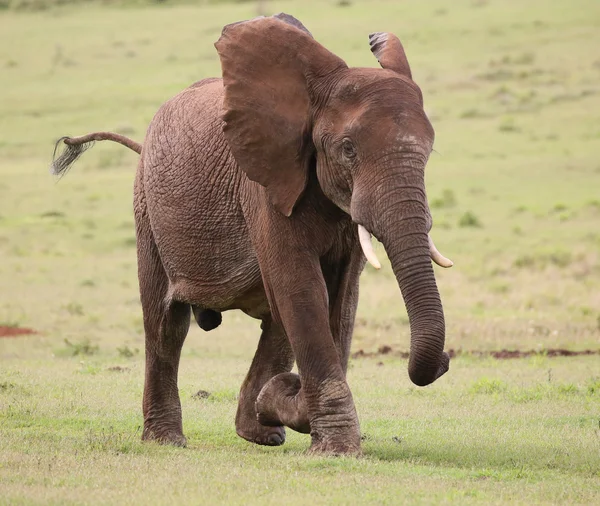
pixel 259 191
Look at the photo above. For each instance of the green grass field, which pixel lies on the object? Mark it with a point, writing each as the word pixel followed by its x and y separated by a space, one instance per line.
pixel 513 91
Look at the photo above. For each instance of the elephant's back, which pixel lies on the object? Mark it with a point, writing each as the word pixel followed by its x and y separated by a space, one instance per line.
pixel 193 189
pixel 189 128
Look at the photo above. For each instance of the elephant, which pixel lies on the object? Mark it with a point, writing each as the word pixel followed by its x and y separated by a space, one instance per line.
pixel 260 191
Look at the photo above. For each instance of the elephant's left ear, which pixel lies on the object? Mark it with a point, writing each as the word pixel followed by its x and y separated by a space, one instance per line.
pixel 389 51
pixel 271 70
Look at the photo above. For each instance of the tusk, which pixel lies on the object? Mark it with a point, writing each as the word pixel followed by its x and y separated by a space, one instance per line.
pixel 367 246
pixel 437 257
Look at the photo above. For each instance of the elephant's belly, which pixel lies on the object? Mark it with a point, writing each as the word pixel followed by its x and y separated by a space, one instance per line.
pixel 252 301
pixel 209 259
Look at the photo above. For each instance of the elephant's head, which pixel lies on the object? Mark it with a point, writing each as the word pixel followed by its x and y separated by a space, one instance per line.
pixel 291 107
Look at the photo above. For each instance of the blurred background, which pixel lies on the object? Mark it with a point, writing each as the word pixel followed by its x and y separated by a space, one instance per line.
pixel 512 89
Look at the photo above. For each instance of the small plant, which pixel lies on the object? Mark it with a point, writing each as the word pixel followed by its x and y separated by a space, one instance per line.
pixel 500 288
pixel 127 352
pixel 471 113
pixel 10 324
pixel 223 396
pixel 525 261
pixel 568 389
pixel 111 441
pixel 448 199
pixel 52 214
pixel 469 220
pixel 560 259
pixel 91 369
pixel 593 387
pixel 594 204
pixel 129 242
pixel 529 394
pixel 508 126
pixel 82 348
pixel 89 224
pixel 500 74
pixel 488 386
pixel 522 59
pixel 74 308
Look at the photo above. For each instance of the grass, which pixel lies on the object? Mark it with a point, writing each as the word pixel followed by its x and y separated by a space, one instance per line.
pixel 490 433
pixel 512 91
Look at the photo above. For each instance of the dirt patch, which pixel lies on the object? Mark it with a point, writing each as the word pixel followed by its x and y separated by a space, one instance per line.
pixel 498 354
pixel 15 331
pixel 201 394
pixel 552 352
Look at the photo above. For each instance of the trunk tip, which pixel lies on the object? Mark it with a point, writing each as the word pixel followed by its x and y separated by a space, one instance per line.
pixel 422 377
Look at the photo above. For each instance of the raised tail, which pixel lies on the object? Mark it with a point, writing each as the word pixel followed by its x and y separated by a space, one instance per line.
pixel 75 146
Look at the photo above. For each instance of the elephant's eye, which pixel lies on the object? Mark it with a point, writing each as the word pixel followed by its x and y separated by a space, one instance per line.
pixel 348 149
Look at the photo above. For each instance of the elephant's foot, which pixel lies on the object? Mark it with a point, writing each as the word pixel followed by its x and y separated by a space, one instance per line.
pixel 281 402
pixel 335 447
pixel 335 437
pixel 248 427
pixel 334 426
pixel 164 436
pixel 261 435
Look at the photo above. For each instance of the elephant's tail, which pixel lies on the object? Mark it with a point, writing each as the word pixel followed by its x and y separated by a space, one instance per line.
pixel 75 146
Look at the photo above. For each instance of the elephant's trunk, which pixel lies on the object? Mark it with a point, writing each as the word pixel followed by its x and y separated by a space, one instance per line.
pixel 412 267
pixel 398 215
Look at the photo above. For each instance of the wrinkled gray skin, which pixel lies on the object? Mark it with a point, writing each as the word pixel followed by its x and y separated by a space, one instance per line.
pixel 248 195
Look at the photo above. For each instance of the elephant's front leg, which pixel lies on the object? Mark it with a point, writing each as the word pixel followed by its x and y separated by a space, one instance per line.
pixel 273 357
pixel 299 300
pixel 342 284
pixel 281 401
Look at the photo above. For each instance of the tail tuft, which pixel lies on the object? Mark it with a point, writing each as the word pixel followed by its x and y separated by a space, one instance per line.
pixel 61 164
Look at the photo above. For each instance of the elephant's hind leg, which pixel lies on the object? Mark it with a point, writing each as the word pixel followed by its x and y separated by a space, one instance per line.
pixel 273 356
pixel 166 323
pixel 165 333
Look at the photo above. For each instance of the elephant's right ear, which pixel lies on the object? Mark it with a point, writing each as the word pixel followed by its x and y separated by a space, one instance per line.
pixel 270 67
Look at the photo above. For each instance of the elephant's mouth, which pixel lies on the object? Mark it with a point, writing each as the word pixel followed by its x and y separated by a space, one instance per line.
pixel 366 244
